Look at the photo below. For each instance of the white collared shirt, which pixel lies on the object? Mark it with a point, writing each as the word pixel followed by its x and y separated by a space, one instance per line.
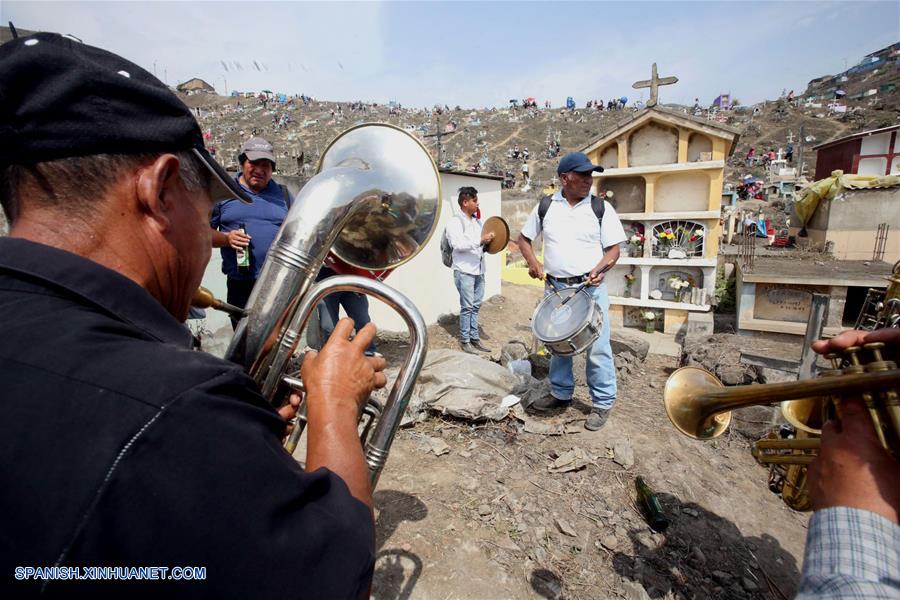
pixel 464 234
pixel 573 242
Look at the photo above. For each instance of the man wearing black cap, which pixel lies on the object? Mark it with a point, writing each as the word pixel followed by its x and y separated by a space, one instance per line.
pixel 121 446
pixel 581 240
pixel 252 228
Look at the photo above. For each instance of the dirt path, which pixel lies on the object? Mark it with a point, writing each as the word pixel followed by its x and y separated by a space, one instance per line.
pixel 489 520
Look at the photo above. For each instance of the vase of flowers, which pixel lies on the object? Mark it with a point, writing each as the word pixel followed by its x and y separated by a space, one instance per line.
pixel 678 285
pixel 635 244
pixel 649 321
pixel 665 239
pixel 629 281
pixel 695 241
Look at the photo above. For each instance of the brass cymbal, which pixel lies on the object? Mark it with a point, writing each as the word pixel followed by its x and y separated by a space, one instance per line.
pixel 500 229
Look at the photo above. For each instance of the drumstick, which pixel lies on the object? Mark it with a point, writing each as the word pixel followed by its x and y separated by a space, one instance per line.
pixel 584 285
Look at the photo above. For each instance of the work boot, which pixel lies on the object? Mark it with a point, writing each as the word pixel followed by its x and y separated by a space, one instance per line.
pixel 548 402
pixel 596 419
pixel 479 346
pixel 468 348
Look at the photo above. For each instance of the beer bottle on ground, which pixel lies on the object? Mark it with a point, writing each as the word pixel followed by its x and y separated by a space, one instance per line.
pixel 650 506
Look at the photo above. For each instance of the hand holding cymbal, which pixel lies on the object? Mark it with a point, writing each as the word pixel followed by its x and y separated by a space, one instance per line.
pixel 500 230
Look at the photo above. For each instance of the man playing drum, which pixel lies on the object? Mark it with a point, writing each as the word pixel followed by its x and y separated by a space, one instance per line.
pixel 578 247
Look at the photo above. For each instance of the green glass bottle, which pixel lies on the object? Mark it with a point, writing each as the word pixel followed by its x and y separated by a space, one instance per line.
pixel 243 255
pixel 649 504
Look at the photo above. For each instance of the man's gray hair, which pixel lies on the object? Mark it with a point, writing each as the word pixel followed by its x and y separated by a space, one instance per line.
pixel 75 184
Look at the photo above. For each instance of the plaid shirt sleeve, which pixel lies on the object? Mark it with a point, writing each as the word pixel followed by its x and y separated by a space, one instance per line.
pixel 850 553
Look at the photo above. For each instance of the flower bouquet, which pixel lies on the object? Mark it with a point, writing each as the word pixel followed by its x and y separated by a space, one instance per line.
pixel 635 244
pixel 678 285
pixel 649 321
pixel 695 240
pixel 666 239
pixel 629 281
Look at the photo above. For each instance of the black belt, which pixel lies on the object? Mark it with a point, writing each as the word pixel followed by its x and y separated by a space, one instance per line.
pixel 569 280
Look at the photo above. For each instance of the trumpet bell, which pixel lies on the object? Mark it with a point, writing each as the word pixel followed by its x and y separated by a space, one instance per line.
pixel 686 407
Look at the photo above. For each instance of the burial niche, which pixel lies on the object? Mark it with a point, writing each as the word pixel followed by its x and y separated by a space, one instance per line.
pixel 653 144
pixel 678 239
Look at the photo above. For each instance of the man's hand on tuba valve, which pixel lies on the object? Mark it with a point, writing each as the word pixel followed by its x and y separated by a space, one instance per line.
pixel 340 377
pixel 338 380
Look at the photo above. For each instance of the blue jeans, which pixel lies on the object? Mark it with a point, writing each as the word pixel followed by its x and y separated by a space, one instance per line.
pixel 600 371
pixel 471 291
pixel 355 305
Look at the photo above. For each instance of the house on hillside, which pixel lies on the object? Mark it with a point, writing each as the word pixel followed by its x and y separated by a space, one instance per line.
pixel 196 86
pixel 826 88
pixel 873 152
pixel 666 171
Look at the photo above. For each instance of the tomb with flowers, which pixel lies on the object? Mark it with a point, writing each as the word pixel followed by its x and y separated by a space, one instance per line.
pixel 665 169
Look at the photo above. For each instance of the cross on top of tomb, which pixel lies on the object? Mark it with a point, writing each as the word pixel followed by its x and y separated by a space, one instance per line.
pixel 790 138
pixel 653 83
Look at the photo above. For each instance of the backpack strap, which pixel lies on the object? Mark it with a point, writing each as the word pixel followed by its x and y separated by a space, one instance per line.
pixel 598 205
pixel 288 201
pixel 543 207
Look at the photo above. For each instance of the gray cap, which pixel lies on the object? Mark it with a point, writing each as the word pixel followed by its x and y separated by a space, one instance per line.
pixel 257 148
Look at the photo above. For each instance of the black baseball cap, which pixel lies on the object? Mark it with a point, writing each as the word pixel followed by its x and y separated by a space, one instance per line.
pixel 578 162
pixel 60 98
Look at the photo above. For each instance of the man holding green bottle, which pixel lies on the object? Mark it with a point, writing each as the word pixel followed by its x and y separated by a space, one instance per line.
pixel 247 230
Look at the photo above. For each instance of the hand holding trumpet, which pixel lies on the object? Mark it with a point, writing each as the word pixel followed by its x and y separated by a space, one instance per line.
pixel 853 469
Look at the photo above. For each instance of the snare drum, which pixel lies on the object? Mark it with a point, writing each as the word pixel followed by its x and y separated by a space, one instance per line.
pixel 567 329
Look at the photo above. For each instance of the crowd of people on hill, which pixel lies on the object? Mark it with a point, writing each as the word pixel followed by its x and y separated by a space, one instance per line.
pixel 767 158
pixel 612 104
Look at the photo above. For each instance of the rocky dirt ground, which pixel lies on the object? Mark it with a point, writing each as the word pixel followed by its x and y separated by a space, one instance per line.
pixel 489 510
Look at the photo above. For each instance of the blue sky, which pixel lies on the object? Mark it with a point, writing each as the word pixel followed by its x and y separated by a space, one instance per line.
pixel 479 54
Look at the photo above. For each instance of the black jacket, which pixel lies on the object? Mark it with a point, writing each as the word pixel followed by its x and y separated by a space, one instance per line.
pixel 121 446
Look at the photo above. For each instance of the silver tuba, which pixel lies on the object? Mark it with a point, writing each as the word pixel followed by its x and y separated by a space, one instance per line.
pixel 374 204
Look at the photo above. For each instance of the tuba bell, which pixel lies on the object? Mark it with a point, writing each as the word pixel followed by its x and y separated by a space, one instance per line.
pixel 374 203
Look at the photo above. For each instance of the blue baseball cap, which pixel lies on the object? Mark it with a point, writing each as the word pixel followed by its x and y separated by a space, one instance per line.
pixel 578 162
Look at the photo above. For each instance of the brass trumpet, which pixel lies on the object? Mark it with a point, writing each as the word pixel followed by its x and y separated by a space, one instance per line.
pixel 700 407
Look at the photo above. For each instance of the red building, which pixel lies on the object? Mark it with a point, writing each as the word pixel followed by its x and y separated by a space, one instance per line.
pixel 874 152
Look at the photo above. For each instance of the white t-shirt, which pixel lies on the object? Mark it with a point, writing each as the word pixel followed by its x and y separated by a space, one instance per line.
pixel 573 242
pixel 464 235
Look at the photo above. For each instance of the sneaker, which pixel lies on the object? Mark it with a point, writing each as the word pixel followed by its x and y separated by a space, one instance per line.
pixel 549 402
pixel 596 419
pixel 468 348
pixel 479 346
